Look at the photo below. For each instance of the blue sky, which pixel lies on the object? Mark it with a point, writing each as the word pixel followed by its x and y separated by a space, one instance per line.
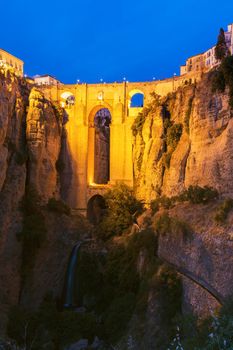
pixel 94 39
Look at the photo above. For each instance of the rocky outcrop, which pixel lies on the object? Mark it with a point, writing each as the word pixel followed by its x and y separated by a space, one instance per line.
pixel 202 155
pixel 205 257
pixel 14 99
pixel 30 143
pixel 43 134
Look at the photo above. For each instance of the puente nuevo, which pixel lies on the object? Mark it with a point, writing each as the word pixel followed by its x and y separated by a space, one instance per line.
pixel 89 156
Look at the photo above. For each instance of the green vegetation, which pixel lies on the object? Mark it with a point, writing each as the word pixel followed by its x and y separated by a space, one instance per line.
pixel 223 210
pixel 161 202
pixel 188 114
pixel 59 112
pixel 223 77
pixel 33 232
pixel 140 119
pixel 112 289
pixel 32 330
pixel 58 206
pixel 113 286
pixel 121 205
pixel 138 123
pixel 213 333
pixel 174 133
pixel 166 225
pixel 221 49
pixel 171 135
pixel 194 195
pixel 198 195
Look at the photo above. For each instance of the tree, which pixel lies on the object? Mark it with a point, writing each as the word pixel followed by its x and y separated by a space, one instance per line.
pixel 221 50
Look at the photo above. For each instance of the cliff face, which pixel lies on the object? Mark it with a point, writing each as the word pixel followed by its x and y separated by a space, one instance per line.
pixel 30 144
pixel 14 99
pixel 167 162
pixel 43 135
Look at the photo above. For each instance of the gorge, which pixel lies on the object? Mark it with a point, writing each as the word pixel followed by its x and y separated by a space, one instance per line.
pixel 181 190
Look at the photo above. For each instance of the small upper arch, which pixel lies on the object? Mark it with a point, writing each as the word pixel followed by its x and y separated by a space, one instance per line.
pixel 136 99
pixel 67 99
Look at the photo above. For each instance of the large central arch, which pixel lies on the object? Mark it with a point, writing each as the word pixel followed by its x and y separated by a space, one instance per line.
pixel 99 145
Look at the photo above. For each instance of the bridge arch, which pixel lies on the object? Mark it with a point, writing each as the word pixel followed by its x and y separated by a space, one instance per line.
pixel 99 122
pixel 95 208
pixel 67 99
pixel 136 98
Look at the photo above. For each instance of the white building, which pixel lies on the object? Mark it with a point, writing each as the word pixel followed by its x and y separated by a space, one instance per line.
pixel 206 61
pixel 45 80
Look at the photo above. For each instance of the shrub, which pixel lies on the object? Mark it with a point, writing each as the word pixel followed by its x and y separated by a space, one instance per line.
pixel 58 206
pixel 138 124
pixel 223 78
pixel 48 327
pixel 121 205
pixel 173 135
pixel 198 195
pixel 33 232
pixel 163 202
pixel 118 316
pixel 223 210
pixel 188 114
pixel 166 225
pixel 215 332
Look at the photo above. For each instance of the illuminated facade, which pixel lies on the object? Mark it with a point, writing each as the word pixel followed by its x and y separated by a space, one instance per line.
pixel 205 61
pixel 7 60
pixel 87 146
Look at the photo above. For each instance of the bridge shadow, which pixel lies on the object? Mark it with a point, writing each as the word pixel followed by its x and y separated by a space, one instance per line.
pixel 68 171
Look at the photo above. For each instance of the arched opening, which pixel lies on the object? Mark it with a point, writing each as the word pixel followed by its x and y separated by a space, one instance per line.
pixel 102 120
pixel 95 209
pixel 137 100
pixel 68 99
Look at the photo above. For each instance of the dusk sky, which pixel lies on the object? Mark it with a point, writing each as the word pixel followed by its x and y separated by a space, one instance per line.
pixel 90 39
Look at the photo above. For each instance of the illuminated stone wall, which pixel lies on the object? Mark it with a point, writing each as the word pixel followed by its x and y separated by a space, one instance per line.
pixel 87 100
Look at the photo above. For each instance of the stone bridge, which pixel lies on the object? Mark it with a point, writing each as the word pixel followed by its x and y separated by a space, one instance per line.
pixel 82 103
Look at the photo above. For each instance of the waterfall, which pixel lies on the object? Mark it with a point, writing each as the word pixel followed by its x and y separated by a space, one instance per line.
pixel 69 285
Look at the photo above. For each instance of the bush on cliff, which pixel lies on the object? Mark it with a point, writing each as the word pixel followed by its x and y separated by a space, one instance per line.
pixel 193 194
pixel 223 77
pixel 215 332
pixel 198 195
pixel 121 206
pixel 48 328
pixel 166 225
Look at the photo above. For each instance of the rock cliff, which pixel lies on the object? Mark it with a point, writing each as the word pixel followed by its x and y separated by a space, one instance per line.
pixel 31 134
pixel 184 139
